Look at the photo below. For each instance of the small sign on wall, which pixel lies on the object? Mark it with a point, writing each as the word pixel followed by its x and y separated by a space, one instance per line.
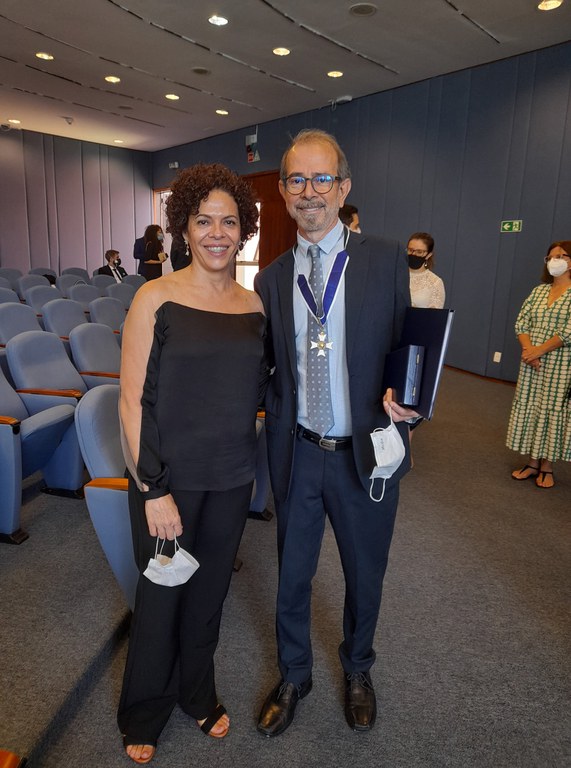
pixel 513 225
pixel 252 147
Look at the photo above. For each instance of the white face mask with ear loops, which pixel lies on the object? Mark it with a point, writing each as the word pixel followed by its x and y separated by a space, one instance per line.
pixel 557 267
pixel 389 453
pixel 170 571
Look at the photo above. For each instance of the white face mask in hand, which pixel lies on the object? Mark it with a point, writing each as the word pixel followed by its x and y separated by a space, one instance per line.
pixel 170 571
pixel 389 453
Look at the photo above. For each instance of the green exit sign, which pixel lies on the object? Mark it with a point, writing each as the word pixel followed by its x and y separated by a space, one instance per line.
pixel 515 225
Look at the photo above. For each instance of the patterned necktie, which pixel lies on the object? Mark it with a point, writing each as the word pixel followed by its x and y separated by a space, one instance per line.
pixel 319 409
pixel 117 276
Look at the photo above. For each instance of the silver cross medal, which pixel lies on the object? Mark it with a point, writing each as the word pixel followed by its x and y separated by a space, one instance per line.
pixel 321 345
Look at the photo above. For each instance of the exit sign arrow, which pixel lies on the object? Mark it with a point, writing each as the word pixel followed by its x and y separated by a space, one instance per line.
pixel 514 225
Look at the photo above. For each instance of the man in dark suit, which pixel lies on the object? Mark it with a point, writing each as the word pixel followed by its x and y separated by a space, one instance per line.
pixel 318 421
pixel 113 266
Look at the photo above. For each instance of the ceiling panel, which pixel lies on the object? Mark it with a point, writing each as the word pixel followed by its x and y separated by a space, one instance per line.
pixel 155 46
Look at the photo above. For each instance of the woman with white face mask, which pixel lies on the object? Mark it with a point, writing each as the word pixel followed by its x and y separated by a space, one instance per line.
pixel 540 421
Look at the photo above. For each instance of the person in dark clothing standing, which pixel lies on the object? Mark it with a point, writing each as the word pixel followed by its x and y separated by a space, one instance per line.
pixel 180 253
pixel 151 266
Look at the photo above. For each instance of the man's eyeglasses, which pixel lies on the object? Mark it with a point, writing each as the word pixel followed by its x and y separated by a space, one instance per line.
pixel 322 183
pixel 416 252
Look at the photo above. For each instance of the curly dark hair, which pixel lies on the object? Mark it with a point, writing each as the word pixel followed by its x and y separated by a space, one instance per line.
pixel 193 185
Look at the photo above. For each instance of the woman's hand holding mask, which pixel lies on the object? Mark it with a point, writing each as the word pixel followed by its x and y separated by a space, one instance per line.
pixel 163 518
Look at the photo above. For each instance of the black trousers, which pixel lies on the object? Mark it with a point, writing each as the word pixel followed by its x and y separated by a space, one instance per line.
pixel 326 484
pixel 174 632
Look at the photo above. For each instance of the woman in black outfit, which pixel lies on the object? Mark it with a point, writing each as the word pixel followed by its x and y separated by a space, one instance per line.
pixel 152 265
pixel 192 374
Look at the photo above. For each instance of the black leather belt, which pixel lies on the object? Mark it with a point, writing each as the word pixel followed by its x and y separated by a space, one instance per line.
pixel 327 443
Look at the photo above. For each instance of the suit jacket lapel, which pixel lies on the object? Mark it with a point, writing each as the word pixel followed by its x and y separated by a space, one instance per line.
pixel 285 299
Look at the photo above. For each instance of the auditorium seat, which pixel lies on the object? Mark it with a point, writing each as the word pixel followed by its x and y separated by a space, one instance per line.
pixel 101 282
pixel 80 271
pixel 98 431
pixel 38 295
pixel 83 294
pixel 8 295
pixel 122 291
pixel 15 319
pixel 107 311
pixel 38 361
pixel 135 280
pixel 95 354
pixel 45 440
pixel 27 281
pixel 43 271
pixel 12 274
pixel 61 315
pixel 64 283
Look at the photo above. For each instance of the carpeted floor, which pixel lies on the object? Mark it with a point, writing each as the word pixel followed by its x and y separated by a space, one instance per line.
pixel 473 647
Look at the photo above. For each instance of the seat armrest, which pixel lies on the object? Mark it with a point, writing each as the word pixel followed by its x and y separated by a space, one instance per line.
pixel 10 420
pixel 112 483
pixel 106 374
pixel 52 392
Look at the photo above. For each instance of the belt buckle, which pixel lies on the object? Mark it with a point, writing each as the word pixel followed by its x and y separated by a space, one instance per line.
pixel 327 444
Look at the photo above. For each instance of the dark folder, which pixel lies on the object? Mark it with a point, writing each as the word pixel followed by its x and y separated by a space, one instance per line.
pixel 428 328
pixel 403 371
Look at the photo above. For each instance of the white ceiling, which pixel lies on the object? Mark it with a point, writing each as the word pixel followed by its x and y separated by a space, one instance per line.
pixel 154 47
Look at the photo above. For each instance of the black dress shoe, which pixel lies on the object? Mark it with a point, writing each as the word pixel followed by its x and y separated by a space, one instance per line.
pixel 360 701
pixel 279 708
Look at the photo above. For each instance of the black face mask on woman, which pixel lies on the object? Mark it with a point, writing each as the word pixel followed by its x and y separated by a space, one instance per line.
pixel 416 262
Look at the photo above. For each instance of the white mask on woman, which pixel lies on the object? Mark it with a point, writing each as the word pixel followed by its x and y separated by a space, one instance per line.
pixel 557 267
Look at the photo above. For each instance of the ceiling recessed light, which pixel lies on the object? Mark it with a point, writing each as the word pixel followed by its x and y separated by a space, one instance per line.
pixel 218 21
pixel 549 5
pixel 117 141
pixel 200 71
pixel 335 73
pixel 221 111
pixel 13 121
pixel 113 79
pixel 363 9
pixel 281 51
pixel 172 96
pixel 45 56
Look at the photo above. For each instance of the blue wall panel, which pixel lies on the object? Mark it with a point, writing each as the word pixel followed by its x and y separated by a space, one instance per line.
pixel 454 155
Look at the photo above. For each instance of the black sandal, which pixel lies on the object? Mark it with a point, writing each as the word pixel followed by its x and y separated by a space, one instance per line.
pixel 527 466
pixel 211 721
pixel 541 478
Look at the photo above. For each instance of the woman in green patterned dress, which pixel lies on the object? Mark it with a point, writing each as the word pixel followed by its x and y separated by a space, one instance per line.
pixel 540 421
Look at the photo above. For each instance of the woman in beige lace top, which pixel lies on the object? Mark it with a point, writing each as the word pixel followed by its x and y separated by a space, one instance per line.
pixel 426 288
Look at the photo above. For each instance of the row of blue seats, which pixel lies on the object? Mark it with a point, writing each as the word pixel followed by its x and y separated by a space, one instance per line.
pixel 37 428
pixel 66 319
pixel 38 295
pixel 10 277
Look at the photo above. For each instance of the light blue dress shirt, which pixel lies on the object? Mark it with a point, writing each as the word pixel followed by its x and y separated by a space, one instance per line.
pixel 330 246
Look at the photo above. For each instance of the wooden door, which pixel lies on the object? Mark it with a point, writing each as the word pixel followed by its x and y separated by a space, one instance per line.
pixel 277 228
